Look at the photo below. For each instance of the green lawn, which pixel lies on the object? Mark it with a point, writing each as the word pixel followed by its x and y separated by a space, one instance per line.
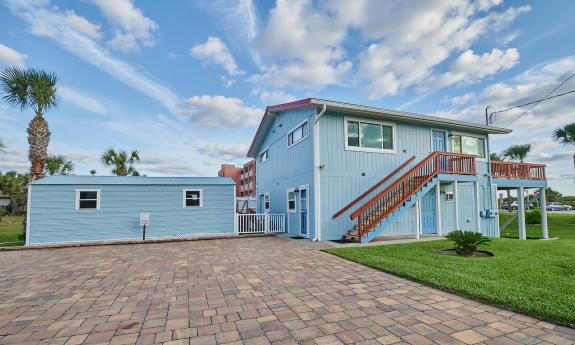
pixel 534 277
pixel 10 228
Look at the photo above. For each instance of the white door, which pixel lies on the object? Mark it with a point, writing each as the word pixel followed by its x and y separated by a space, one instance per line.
pixel 303 221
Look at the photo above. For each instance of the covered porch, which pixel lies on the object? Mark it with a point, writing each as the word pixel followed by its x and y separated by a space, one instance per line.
pixel 522 177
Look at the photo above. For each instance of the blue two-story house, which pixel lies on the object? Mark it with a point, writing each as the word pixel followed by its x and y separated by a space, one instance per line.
pixel 339 170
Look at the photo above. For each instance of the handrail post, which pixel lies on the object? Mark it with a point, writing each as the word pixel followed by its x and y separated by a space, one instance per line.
pixel 267 223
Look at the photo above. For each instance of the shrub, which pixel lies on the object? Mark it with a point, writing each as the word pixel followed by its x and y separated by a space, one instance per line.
pixel 533 216
pixel 467 242
pixel 2 213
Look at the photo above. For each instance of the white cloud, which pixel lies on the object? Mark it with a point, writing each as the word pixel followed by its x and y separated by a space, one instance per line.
pixel 81 100
pixel 224 152
pixel 411 38
pixel 219 111
pixel 215 51
pixel 470 67
pixel 82 24
pixel 132 28
pixel 300 47
pixel 11 57
pixel 47 21
pixel 272 97
pixel 463 99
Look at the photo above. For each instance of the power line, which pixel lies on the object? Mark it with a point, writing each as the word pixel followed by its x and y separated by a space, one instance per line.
pixel 535 103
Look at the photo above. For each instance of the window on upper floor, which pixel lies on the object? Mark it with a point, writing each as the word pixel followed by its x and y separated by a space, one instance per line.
pixel 370 136
pixel 264 156
pixel 298 134
pixel 87 199
pixel 468 145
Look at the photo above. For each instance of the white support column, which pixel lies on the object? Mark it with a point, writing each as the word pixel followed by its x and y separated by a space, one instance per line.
pixel 509 200
pixel 521 214
pixel 438 208
pixel 478 205
pixel 543 208
pixel 456 205
pixel 417 219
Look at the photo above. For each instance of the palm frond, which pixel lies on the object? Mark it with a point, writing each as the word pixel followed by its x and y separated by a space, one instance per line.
pixel 15 87
pixel 2 145
pixel 565 135
pixel 42 90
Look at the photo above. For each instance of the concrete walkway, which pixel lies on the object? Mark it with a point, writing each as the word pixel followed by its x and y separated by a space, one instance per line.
pixel 252 291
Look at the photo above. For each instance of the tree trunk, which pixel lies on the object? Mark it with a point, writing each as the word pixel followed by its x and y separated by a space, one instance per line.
pixel 13 206
pixel 38 139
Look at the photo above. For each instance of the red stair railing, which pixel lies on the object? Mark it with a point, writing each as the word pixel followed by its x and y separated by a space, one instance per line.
pixel 390 199
pixel 530 171
pixel 374 187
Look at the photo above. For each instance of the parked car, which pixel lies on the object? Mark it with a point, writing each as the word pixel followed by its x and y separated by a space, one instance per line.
pixel 515 207
pixel 557 206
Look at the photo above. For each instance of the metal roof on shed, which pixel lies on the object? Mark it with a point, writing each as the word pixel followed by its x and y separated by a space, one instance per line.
pixel 131 180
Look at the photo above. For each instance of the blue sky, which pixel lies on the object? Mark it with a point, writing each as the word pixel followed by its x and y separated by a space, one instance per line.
pixel 187 84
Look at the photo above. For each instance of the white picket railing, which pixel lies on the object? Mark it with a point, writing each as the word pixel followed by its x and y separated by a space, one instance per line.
pixel 260 223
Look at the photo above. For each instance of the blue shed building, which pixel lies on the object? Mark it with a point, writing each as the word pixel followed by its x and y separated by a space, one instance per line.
pixel 344 170
pixel 63 209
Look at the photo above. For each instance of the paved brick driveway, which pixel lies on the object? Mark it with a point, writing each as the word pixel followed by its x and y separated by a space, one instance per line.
pixel 255 290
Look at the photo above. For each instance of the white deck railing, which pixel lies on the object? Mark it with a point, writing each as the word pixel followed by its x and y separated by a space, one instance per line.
pixel 260 223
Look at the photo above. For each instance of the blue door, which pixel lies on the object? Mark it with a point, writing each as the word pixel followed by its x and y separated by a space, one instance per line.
pixel 428 213
pixel 439 143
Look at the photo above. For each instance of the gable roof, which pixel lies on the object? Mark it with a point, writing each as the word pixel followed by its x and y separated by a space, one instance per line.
pixel 131 180
pixel 355 109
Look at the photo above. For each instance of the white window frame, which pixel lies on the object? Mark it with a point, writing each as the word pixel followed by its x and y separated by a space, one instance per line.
pixel 268 156
pixel 374 122
pixel 192 190
pixel 294 210
pixel 267 195
pixel 296 128
pixel 98 197
pixel 463 134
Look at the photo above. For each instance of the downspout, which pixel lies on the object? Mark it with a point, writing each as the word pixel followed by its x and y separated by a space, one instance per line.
pixel 316 177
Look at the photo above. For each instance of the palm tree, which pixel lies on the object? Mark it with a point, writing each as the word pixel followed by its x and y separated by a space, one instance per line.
pixel 121 164
pixel 494 156
pixel 2 145
pixel 517 152
pixel 93 172
pixel 566 136
pixel 59 165
pixel 36 89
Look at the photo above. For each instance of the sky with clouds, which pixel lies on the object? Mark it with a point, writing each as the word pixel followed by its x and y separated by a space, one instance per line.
pixel 188 84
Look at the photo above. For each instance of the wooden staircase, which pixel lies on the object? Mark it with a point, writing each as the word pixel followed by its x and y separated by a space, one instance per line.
pixel 407 189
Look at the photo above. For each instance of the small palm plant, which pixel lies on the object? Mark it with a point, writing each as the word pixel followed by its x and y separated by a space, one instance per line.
pixel 121 163
pixel 467 242
pixel 93 172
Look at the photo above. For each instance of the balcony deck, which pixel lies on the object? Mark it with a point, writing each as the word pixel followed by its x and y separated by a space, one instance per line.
pixel 514 175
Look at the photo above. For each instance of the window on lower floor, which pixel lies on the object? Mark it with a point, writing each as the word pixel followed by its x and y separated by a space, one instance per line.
pixel 192 198
pixel 468 145
pixel 291 203
pixel 87 199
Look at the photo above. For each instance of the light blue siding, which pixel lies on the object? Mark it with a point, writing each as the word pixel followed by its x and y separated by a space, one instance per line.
pixel 288 167
pixel 447 209
pixel 466 204
pixel 54 218
pixel 347 174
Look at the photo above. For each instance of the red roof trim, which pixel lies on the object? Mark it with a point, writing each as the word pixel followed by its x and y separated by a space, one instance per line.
pixel 278 107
